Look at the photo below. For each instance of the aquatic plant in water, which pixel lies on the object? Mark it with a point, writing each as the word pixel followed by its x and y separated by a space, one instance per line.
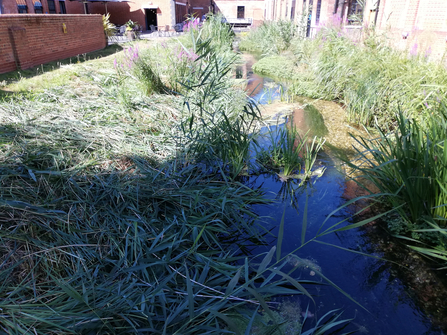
pixel 288 152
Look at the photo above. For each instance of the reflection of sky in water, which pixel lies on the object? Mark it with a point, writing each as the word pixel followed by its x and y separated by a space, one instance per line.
pixel 270 92
pixel 262 90
pixel 366 280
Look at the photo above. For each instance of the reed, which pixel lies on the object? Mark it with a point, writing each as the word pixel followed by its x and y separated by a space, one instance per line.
pixel 289 152
pixel 408 168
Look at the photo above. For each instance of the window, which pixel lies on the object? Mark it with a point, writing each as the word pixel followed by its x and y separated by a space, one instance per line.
pixel 240 12
pixel 62 7
pixel 51 7
pixel 292 10
pixel 38 7
pixel 23 9
pixel 317 18
pixel 355 12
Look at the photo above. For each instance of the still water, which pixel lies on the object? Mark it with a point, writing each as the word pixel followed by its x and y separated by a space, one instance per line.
pixel 379 301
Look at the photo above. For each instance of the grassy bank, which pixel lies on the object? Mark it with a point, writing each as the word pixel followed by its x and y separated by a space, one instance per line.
pixel 371 79
pixel 121 202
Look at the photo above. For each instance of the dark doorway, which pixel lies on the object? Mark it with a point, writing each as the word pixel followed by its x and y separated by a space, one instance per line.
pixel 151 18
pixel 240 12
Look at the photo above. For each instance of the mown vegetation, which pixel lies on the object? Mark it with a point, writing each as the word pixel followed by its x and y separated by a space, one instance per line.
pixel 121 203
pixel 400 97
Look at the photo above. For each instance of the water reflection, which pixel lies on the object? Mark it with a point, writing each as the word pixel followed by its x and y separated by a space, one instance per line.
pixel 368 281
pixel 261 89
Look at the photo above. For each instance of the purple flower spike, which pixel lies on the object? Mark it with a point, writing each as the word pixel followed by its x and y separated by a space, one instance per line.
pixel 414 50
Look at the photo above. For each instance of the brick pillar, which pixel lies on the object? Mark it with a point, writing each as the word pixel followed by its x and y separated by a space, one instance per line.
pixel 19 42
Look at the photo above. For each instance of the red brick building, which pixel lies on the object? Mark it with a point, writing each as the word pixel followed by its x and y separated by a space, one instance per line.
pixel 407 22
pixel 145 12
pixel 41 7
pixel 159 13
pixel 239 12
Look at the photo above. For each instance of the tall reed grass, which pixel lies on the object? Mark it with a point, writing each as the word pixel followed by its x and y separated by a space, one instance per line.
pixel 289 153
pixel 408 168
pixel 371 79
pixel 271 38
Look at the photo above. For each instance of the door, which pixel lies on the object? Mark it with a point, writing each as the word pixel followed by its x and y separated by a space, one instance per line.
pixel 240 12
pixel 151 18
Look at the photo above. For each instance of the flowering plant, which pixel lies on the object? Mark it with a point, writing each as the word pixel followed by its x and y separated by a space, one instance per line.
pixel 192 24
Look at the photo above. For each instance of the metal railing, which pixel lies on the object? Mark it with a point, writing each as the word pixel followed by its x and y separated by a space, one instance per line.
pixel 239 21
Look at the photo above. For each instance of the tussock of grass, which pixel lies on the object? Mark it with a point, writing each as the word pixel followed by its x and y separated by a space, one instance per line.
pixel 272 38
pixel 276 67
pixel 371 79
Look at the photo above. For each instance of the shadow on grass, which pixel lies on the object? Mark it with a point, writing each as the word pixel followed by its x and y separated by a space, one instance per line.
pixel 10 77
pixel 97 215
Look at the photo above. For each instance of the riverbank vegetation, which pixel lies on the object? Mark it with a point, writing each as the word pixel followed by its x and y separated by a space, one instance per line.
pixel 400 94
pixel 122 205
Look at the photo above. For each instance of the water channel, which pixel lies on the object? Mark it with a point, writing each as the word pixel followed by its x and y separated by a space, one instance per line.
pixel 382 300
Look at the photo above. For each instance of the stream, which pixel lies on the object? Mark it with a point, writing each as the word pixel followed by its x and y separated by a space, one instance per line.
pixel 381 298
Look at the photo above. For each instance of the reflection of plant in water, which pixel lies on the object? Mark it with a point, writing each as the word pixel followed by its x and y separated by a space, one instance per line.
pixel 289 152
pixel 304 263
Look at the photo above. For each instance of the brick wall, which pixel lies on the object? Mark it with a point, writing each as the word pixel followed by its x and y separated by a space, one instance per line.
pixel 8 6
pixel 27 40
pixel 424 21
